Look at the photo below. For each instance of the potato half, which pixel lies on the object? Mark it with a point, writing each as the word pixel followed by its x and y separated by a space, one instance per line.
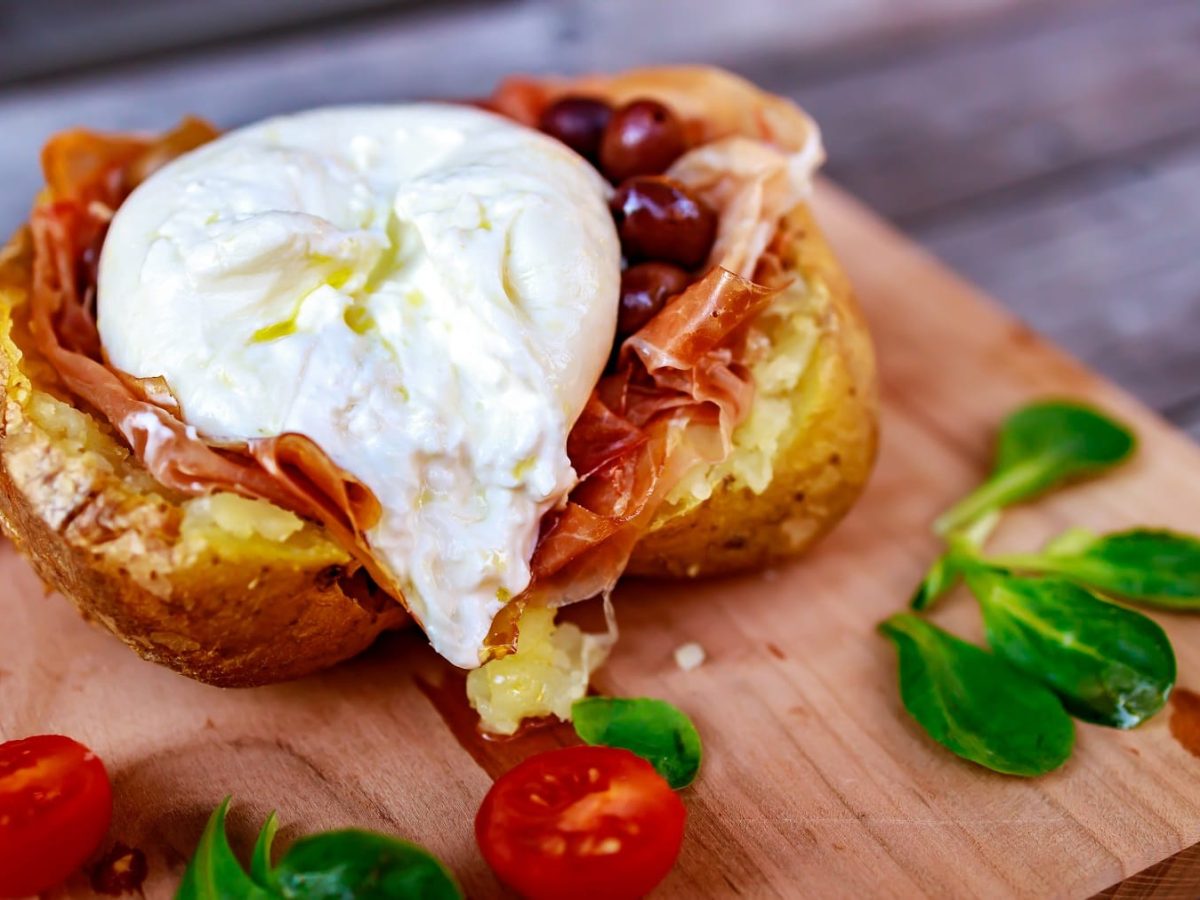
pixel 226 590
pixel 238 592
pixel 804 454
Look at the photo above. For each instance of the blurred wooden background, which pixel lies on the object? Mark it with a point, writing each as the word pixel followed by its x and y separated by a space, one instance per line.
pixel 1047 149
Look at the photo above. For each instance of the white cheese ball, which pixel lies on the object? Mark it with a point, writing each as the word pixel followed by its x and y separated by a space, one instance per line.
pixel 429 292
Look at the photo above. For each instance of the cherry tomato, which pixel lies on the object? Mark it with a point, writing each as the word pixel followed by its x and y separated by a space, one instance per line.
pixel 581 822
pixel 55 807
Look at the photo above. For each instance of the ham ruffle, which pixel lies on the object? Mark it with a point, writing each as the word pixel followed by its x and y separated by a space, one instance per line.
pixel 87 177
pixel 679 388
pixel 680 385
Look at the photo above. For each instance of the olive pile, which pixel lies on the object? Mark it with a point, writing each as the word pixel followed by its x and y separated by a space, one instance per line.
pixel 665 230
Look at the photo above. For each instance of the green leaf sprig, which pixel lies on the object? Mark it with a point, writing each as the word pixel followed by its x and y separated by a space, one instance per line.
pixel 653 729
pixel 326 866
pixel 1155 567
pixel 1108 665
pixel 1041 447
pixel 947 571
pixel 1056 636
pixel 975 704
pixel 214 871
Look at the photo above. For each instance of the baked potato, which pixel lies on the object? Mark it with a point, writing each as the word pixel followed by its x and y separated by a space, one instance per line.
pixel 237 592
pixel 804 454
pixel 224 589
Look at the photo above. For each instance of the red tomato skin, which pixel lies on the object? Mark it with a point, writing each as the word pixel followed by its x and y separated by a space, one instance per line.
pixel 55 808
pixel 545 855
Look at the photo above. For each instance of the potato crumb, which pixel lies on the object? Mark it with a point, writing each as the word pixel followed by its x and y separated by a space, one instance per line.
pixel 689 656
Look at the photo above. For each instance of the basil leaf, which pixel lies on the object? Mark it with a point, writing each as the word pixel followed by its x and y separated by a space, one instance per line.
pixel 335 864
pixel 653 729
pixel 1109 665
pixel 1158 567
pixel 260 859
pixel 214 873
pixel 976 705
pixel 363 865
pixel 1041 447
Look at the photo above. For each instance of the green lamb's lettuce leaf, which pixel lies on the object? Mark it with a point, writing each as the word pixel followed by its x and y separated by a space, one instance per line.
pixel 942 577
pixel 1040 447
pixel 1070 541
pixel 214 873
pixel 653 729
pixel 1153 566
pixel 947 570
pixel 1061 647
pixel 260 859
pixel 363 865
pixel 976 705
pixel 1108 664
pixel 335 864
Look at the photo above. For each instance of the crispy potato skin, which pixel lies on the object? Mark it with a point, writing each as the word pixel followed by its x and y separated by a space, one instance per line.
pixel 823 461
pixel 107 544
pixel 102 535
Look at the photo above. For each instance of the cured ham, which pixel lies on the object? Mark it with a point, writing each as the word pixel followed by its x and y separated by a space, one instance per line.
pixel 88 175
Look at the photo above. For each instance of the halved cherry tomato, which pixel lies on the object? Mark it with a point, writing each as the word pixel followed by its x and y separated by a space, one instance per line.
pixel 55 807
pixel 581 822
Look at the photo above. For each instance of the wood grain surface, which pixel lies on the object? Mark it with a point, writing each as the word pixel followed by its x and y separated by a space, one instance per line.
pixel 1176 878
pixel 815 782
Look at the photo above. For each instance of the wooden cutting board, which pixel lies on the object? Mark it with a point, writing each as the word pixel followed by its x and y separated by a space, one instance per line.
pixel 815 782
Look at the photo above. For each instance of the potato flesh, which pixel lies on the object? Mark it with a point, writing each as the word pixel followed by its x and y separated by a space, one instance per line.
pixel 784 338
pixel 547 674
pixel 222 525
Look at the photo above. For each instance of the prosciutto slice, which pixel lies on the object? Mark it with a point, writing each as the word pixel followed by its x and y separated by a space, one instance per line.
pixel 672 404
pixel 681 386
pixel 88 175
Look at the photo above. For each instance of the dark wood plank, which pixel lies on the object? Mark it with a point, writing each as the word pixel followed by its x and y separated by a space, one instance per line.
pixel 811 37
pixel 1107 263
pixel 924 131
pixel 1054 171
pixel 52 36
pixel 1186 414
pixel 48 36
pixel 1177 878
pixel 444 52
